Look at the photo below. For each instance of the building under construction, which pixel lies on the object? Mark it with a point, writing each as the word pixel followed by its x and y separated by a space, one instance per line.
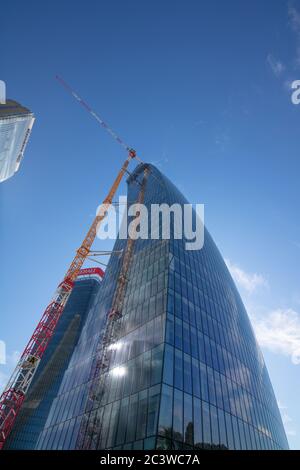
pixel 56 360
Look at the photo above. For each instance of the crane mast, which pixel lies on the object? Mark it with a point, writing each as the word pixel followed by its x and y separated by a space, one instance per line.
pixel 15 392
pixel 105 350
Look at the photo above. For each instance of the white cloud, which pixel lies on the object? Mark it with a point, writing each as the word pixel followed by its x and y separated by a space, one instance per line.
pixel 7 369
pixel 279 332
pixel 277 66
pixel 294 17
pixel 294 20
pixel 3 380
pixel 297 59
pixel 13 358
pixel 286 419
pixel 249 282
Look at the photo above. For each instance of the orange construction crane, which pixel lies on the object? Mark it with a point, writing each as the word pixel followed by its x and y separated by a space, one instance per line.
pixel 15 392
pixel 88 432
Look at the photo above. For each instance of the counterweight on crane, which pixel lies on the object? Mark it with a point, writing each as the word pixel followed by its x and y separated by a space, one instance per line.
pixel 15 392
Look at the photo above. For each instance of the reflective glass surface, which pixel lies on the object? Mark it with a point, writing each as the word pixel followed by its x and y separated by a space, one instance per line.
pixel 45 385
pixel 186 371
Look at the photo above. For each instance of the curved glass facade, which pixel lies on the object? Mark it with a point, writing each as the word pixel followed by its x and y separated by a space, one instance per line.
pixel 186 371
pixel 16 123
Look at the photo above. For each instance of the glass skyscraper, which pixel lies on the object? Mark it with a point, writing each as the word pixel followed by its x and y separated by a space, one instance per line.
pixel 16 123
pixel 45 385
pixel 185 370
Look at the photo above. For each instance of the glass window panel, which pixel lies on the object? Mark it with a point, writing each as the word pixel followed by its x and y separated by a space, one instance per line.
pixel 97 427
pixel 203 382
pixel 154 395
pixel 192 310
pixel 56 445
pixel 188 424
pixel 252 436
pixel 196 378
pixel 225 394
pixel 132 418
pixel 152 307
pixel 178 373
pixel 170 329
pixel 206 425
pixel 208 351
pixel 236 435
pixel 168 365
pixel 142 415
pixel 198 438
pixel 113 424
pixel 201 347
pixel 211 386
pixel 242 435
pixel 194 343
pixel 222 429
pixel 138 445
pixel 219 396
pixel 214 426
pixel 170 300
pixel 122 421
pixel 178 415
pixel 214 356
pixel 187 373
pixel 163 444
pixel 75 432
pixel 178 333
pixel 149 443
pixel 178 308
pixel 52 437
pixel 248 441
pixel 186 338
pixel 156 364
pixel 185 309
pixel 146 370
pixel 127 446
pixel 166 408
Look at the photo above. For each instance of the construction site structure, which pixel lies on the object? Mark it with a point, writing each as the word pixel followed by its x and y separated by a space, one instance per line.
pixel 87 435
pixel 14 394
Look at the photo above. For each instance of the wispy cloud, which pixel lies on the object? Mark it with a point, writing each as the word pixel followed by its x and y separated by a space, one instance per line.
pixel 294 21
pixel 287 420
pixel 279 332
pixel 286 72
pixel 276 66
pixel 294 18
pixel 248 281
pixel 6 370
pixel 297 58
pixel 222 139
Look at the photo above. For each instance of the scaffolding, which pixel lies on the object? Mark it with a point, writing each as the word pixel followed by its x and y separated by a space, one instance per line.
pixel 111 333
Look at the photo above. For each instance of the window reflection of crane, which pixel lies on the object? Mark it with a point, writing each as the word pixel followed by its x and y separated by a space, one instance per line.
pixel 15 392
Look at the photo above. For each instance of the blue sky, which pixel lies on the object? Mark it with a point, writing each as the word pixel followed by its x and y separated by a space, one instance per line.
pixel 199 88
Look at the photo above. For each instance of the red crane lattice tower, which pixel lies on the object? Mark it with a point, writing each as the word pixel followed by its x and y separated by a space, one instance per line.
pixel 15 391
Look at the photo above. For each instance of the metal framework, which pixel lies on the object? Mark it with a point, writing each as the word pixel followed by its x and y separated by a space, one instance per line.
pixel 14 394
pixel 88 432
